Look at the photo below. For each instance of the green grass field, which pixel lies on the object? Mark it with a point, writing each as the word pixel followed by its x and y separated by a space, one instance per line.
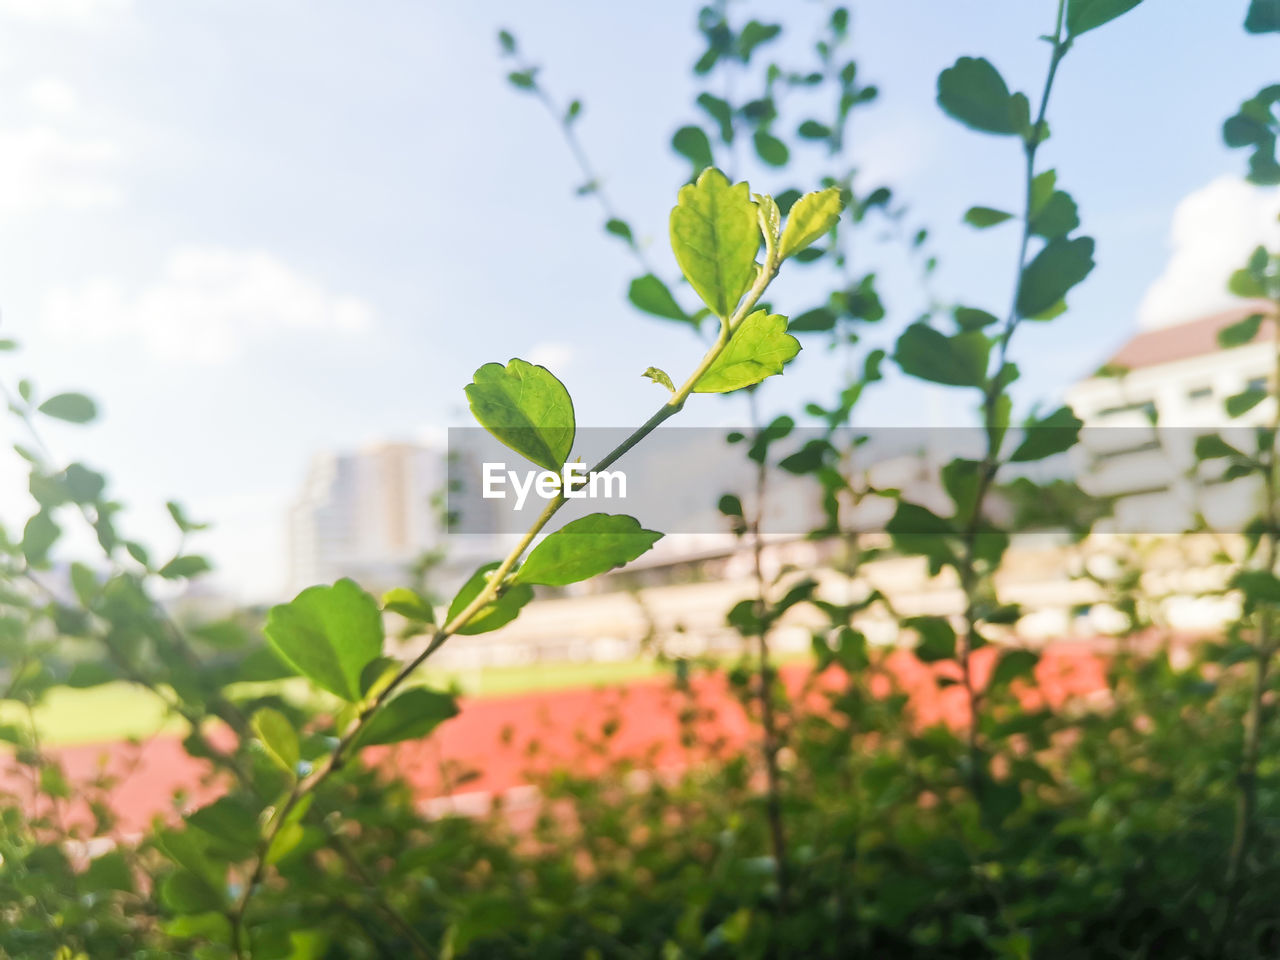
pixel 117 711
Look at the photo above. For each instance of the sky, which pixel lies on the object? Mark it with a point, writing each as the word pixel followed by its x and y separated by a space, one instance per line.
pixel 255 230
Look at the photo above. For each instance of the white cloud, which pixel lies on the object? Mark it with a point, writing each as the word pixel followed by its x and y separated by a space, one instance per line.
pixel 206 306
pixel 53 95
pixel 41 167
pixel 1214 229
pixel 555 356
pixel 71 12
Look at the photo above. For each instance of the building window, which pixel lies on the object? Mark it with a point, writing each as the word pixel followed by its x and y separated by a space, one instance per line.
pixel 1147 408
pixel 1257 383
pixel 1199 394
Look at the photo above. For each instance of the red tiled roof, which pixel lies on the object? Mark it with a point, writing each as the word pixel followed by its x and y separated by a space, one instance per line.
pixel 1179 341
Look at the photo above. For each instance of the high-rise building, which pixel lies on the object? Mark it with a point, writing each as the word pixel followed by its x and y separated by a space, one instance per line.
pixel 368 515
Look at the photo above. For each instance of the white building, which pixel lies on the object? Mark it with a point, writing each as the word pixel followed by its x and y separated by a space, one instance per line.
pixel 367 515
pixel 1158 393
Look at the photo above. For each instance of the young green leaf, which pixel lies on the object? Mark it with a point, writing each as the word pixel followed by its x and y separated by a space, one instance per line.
pixel 973 92
pixel 812 216
pixel 72 407
pixel 413 714
pixel 329 635
pixel 585 548
pixel 187 566
pixel 1056 217
pixel 408 604
pixel 492 615
pixel 759 348
pixel 957 361
pixel 526 408
pixel 1086 15
pixel 651 295
pixel 278 737
pixel 659 376
pixel 1054 271
pixel 715 236
pixel 1241 403
pixel 983 217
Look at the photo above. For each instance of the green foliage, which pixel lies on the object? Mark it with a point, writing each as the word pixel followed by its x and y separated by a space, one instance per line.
pixel 650 294
pixel 984 217
pixel 411 715
pixel 758 349
pixel 715 238
pixel 329 635
pixel 1048 278
pixel 526 408
pixel 1263 16
pixel 959 360
pixel 1086 15
pixel 585 548
pixel 492 615
pixel 71 407
pixel 277 737
pixel 973 92
pixel 812 216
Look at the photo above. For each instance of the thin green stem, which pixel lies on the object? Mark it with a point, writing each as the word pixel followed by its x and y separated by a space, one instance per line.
pixel 489 593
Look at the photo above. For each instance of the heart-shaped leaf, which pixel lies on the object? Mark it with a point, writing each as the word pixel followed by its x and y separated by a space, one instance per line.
pixel 329 635
pixel 759 348
pixel 526 408
pixel 715 236
pixel 585 548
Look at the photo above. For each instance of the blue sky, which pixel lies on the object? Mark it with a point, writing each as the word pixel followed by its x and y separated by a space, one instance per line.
pixel 256 230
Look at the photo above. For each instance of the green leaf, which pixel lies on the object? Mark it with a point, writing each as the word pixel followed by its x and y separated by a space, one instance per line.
pixel 1049 435
pixel 1242 403
pixel 413 714
pixel 523 79
pixel 1086 15
pixel 278 737
pixel 1258 585
pixel 813 321
pixel 1057 217
pixel 813 130
pixel 184 892
pixel 328 634
pixel 719 111
pixel 585 548
pixel 1211 447
pixel 715 236
pixel 971 318
pixel 692 144
pixel 526 408
pixel 1014 664
pixel 1263 17
pixel 619 228
pixel 651 295
pixel 937 638
pixel 812 216
pixel 38 538
pixel 72 407
pixel 983 217
pixel 1055 270
pixel 231 824
pixel 770 149
pixel 188 566
pixel 408 604
pixel 492 615
pixel 973 92
pixel 759 348
pixel 659 376
pixel 957 361
pixel 1241 332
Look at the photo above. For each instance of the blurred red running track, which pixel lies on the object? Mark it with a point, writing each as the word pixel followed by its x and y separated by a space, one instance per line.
pixel 499 743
